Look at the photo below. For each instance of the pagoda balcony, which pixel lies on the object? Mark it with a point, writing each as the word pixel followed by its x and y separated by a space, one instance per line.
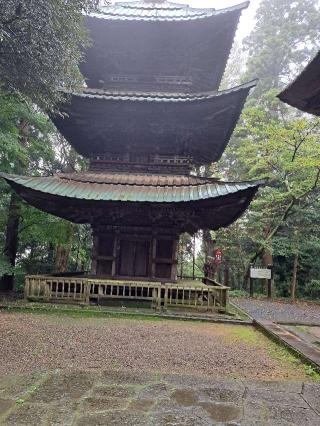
pixel 202 295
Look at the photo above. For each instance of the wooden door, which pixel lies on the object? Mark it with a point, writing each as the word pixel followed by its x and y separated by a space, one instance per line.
pixel 134 258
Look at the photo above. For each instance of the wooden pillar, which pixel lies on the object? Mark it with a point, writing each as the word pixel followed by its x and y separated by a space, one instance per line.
pixel 166 292
pixel 26 288
pixel 153 255
pixel 115 255
pixel 194 257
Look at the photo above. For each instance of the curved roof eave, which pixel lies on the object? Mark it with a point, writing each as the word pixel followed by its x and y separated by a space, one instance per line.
pixel 304 92
pixel 130 192
pixel 133 96
pixel 196 125
pixel 211 213
pixel 128 12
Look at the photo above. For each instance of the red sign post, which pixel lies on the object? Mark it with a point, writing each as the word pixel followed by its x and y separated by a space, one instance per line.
pixel 218 256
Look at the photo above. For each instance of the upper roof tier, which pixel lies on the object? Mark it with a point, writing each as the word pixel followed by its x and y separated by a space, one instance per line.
pixel 304 92
pixel 196 126
pixel 159 46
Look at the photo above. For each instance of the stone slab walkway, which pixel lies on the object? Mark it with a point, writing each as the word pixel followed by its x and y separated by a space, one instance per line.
pixel 307 350
pixel 143 399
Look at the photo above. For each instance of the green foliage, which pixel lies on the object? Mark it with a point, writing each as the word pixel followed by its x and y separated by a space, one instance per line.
pixel 313 289
pixel 279 144
pixel 5 267
pixel 238 293
pixel 24 137
pixel 41 43
pixel 285 150
pixel 29 145
pixel 285 38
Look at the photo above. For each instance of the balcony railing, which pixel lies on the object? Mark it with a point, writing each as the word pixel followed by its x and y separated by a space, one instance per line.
pixel 184 294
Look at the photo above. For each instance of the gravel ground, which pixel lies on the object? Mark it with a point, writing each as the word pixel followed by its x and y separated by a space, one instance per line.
pixel 31 342
pixel 280 310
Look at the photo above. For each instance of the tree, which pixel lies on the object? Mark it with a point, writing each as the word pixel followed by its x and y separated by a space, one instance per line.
pixel 271 143
pixel 41 44
pixel 24 146
pixel 285 38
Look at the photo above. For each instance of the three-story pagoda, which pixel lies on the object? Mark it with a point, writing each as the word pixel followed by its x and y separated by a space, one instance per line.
pixel 151 112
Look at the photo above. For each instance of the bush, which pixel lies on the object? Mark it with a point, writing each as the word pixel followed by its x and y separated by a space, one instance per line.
pixel 313 289
pixel 5 267
pixel 238 293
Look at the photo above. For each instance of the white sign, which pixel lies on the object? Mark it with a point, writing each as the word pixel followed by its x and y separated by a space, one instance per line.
pixel 260 273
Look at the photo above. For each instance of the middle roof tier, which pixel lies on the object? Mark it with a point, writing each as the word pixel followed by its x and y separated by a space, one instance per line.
pixel 198 126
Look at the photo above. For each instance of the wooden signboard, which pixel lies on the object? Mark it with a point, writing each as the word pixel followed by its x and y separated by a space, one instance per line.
pixel 260 273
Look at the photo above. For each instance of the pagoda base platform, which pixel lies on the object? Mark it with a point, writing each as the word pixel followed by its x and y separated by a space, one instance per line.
pixel 202 295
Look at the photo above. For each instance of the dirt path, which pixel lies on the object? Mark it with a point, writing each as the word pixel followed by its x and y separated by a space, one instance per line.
pixel 31 343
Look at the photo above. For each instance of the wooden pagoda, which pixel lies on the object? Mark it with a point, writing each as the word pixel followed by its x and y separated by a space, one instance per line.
pixel 304 92
pixel 150 113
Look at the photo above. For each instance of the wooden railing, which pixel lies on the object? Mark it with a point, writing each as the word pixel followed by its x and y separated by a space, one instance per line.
pixel 193 295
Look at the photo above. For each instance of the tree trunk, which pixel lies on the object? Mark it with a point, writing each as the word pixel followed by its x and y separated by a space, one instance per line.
pixel 266 257
pixel 62 254
pixel 267 260
pixel 226 273
pixel 11 242
pixel 294 278
pixel 207 245
pixel 62 257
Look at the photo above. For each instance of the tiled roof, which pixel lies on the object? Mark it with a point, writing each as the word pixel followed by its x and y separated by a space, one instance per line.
pixel 160 11
pixel 193 125
pixel 304 92
pixel 130 187
pixel 159 96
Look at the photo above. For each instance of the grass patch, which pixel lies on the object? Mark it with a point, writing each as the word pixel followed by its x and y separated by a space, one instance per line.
pixel 85 311
pixel 237 313
pixel 245 334
pixel 281 353
pixel 79 313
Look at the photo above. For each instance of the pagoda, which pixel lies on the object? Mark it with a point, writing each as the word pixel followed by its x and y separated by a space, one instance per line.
pixel 150 115
pixel 304 92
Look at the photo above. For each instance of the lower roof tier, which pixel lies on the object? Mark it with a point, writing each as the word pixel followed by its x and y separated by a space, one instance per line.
pixel 193 125
pixel 304 92
pixel 186 203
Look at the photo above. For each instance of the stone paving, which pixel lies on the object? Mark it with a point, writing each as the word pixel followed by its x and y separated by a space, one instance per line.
pixel 145 399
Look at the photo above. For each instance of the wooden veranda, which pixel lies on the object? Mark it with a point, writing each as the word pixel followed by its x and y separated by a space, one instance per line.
pixel 206 295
